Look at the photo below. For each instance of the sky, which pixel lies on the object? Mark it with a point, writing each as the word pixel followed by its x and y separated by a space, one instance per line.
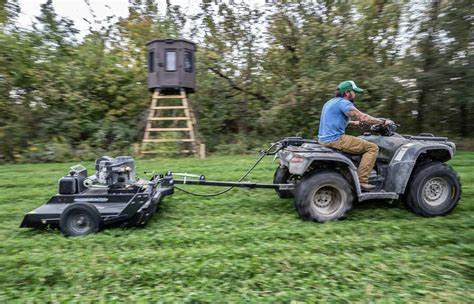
pixel 76 10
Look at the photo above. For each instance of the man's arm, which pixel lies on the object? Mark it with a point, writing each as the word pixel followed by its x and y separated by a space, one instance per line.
pixel 355 114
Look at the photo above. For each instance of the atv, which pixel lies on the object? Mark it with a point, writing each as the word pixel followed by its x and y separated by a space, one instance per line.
pixel 410 168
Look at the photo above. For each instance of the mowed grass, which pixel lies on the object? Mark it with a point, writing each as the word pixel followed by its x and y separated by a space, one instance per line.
pixel 244 246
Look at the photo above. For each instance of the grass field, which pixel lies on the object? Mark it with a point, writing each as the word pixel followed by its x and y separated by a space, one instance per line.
pixel 245 246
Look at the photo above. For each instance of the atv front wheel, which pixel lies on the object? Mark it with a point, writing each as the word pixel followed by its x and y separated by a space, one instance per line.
pixel 435 189
pixel 282 176
pixel 323 196
pixel 80 219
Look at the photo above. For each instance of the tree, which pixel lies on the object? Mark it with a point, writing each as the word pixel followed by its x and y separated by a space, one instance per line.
pixel 9 10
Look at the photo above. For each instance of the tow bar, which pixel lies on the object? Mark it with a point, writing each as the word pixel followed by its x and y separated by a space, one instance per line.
pixel 201 181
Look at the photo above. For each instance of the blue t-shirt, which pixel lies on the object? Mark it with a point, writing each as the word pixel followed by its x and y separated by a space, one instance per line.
pixel 334 119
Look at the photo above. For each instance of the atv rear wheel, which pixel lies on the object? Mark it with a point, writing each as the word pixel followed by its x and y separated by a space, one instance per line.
pixel 323 196
pixel 80 219
pixel 435 189
pixel 282 176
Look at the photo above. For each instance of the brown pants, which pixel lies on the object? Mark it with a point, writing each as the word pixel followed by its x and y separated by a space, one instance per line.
pixel 355 145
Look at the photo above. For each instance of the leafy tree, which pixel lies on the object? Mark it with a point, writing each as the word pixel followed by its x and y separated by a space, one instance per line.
pixel 9 10
pixel 262 71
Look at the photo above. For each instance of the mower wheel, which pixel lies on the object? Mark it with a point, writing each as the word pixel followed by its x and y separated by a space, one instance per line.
pixel 434 189
pixel 80 219
pixel 323 196
pixel 282 176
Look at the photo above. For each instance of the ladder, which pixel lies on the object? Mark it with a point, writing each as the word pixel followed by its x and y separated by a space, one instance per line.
pixel 171 124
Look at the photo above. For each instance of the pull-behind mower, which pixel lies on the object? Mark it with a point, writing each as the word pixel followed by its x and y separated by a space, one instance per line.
pixel 111 196
pixel 323 182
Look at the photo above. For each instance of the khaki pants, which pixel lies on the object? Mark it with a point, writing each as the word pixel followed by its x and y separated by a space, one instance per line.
pixel 355 145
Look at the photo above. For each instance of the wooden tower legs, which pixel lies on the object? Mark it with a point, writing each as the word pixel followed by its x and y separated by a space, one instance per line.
pixel 157 115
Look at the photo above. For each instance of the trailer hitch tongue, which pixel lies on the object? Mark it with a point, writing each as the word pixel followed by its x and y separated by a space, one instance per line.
pixel 200 180
pixel 186 175
pixel 286 187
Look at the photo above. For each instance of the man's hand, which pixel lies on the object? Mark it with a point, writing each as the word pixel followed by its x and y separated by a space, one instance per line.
pixel 388 122
pixel 354 123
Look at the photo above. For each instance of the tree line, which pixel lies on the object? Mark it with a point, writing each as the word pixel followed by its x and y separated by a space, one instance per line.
pixel 263 72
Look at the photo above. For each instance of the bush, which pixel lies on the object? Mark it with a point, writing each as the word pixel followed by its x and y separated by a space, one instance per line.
pixel 55 151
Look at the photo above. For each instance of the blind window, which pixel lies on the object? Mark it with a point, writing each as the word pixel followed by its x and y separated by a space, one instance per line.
pixel 188 61
pixel 151 61
pixel 170 60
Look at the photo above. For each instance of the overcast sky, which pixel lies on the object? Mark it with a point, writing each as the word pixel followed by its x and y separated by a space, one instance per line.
pixel 76 10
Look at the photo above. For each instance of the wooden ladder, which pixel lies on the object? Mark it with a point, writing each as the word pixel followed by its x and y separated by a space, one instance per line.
pixel 157 115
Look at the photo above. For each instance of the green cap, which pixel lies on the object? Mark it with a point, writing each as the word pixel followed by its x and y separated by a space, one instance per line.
pixel 349 85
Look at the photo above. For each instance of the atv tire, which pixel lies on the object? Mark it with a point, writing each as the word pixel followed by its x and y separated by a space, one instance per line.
pixel 323 196
pixel 282 176
pixel 80 219
pixel 434 189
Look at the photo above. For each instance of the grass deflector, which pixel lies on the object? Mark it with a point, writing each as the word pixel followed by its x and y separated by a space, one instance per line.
pixel 323 182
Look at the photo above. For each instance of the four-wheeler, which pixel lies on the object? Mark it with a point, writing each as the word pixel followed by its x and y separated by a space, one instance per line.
pixel 410 168
pixel 323 182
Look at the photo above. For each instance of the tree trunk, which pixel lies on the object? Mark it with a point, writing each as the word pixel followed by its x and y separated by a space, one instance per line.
pixel 428 52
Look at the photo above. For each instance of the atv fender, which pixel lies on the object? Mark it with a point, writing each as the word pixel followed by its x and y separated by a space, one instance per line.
pixel 406 158
pixel 325 159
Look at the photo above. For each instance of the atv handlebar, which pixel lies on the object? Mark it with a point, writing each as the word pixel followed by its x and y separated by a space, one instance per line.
pixel 384 129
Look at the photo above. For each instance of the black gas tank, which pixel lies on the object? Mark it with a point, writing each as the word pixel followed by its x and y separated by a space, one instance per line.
pixel 68 185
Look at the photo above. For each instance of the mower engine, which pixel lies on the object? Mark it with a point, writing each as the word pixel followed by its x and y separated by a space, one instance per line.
pixel 116 172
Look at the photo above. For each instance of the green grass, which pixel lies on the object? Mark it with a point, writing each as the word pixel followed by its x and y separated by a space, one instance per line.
pixel 245 246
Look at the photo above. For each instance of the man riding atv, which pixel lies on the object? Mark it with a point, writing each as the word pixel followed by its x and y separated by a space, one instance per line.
pixel 337 114
pixel 328 178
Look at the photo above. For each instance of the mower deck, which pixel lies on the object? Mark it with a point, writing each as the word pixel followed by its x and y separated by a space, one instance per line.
pixel 129 207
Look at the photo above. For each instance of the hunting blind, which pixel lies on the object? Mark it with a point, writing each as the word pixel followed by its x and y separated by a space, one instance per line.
pixel 171 77
pixel 171 65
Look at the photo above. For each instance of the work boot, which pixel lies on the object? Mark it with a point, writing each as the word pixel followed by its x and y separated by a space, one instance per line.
pixel 366 187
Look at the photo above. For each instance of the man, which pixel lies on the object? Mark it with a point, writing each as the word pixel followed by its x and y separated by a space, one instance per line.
pixel 334 120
